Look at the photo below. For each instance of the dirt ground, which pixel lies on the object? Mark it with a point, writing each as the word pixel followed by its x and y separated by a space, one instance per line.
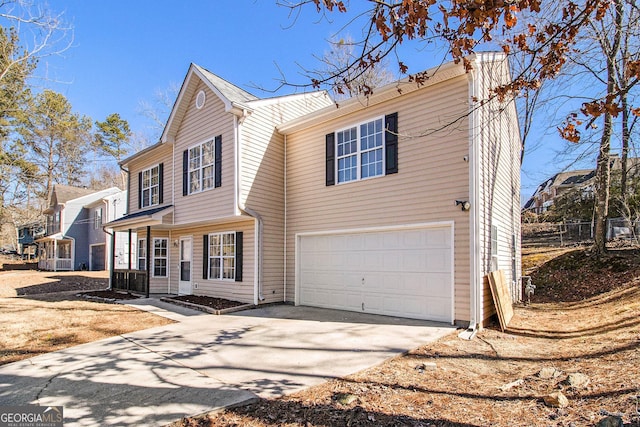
pixel 587 348
pixel 40 312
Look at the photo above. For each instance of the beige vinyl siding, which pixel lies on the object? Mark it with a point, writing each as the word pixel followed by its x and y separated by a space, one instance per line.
pixel 161 154
pixel 262 183
pixel 238 291
pixel 432 175
pixel 199 126
pixel 499 180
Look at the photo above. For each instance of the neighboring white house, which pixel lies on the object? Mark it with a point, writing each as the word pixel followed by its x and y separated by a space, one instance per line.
pixel 74 238
pixel 101 211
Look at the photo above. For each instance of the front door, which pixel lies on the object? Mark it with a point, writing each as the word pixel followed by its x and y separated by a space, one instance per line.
pixel 184 283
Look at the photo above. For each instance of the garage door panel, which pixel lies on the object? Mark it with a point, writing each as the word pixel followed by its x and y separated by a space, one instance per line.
pixel 439 285
pixel 406 273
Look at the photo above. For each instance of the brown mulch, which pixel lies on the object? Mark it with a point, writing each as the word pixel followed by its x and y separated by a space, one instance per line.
pixel 497 378
pixel 110 295
pixel 215 303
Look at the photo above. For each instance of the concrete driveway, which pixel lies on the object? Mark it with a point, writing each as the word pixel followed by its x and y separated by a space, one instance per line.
pixel 205 362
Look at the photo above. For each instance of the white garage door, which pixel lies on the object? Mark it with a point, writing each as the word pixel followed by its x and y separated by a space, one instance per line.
pixel 405 273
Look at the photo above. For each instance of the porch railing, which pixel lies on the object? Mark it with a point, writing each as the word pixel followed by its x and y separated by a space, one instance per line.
pixel 130 280
pixel 55 264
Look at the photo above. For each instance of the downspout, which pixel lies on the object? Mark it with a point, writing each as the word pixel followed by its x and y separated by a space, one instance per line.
pixel 258 244
pixel 284 279
pixel 474 217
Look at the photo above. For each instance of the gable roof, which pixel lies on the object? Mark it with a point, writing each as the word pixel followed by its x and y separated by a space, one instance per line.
pixel 64 193
pixel 233 97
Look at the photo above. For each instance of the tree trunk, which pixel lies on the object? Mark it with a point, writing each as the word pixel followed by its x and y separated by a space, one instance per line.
pixel 625 146
pixel 603 178
pixel 603 169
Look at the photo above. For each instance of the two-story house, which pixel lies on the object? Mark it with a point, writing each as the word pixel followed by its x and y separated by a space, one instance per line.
pixel 74 231
pixel 99 212
pixel 398 204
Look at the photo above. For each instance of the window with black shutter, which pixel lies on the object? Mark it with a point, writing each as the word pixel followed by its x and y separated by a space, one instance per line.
pixel 363 151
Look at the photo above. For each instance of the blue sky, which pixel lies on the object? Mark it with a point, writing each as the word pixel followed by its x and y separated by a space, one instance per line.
pixel 124 51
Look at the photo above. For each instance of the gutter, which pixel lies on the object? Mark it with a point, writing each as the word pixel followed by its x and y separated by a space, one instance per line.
pixel 259 226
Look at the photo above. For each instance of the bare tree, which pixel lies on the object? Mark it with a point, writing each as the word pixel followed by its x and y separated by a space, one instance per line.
pixel 42 32
pixel 353 82
pixel 157 111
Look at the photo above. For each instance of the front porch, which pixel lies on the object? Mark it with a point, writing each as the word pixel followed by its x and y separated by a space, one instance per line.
pixel 56 255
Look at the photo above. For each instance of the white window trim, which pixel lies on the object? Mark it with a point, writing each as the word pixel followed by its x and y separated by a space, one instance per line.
pixel 222 257
pixel 142 245
pixel 359 151
pixel 212 140
pixel 495 257
pixel 97 218
pixel 154 257
pixel 151 187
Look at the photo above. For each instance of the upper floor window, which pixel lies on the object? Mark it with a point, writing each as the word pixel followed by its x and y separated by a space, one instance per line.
pixel 97 218
pixel 363 151
pixel 150 186
pixel 202 166
pixel 360 151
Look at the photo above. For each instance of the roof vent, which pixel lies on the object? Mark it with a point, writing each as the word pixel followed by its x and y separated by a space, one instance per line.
pixel 200 98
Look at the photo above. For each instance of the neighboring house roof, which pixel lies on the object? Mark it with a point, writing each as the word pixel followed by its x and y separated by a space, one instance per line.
pixel 64 193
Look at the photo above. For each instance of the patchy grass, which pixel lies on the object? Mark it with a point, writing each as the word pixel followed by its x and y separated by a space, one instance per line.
pixel 577 275
pixel 49 321
pixel 494 380
pixel 534 257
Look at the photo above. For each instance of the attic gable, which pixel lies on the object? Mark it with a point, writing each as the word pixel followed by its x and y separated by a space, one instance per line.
pixel 234 98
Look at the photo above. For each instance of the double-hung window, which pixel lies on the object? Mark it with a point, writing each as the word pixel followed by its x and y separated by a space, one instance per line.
pixel 150 187
pixel 201 167
pixel 364 151
pixel 222 256
pixel 160 253
pixel 142 254
pixel 360 151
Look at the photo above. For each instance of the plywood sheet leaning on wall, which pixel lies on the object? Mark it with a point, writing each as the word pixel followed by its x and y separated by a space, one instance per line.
pixel 501 298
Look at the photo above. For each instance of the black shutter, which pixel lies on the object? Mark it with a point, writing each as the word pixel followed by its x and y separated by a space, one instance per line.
pixel 239 253
pixel 218 161
pixel 391 143
pixel 185 172
pixel 160 183
pixel 139 190
pixel 205 256
pixel 331 159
